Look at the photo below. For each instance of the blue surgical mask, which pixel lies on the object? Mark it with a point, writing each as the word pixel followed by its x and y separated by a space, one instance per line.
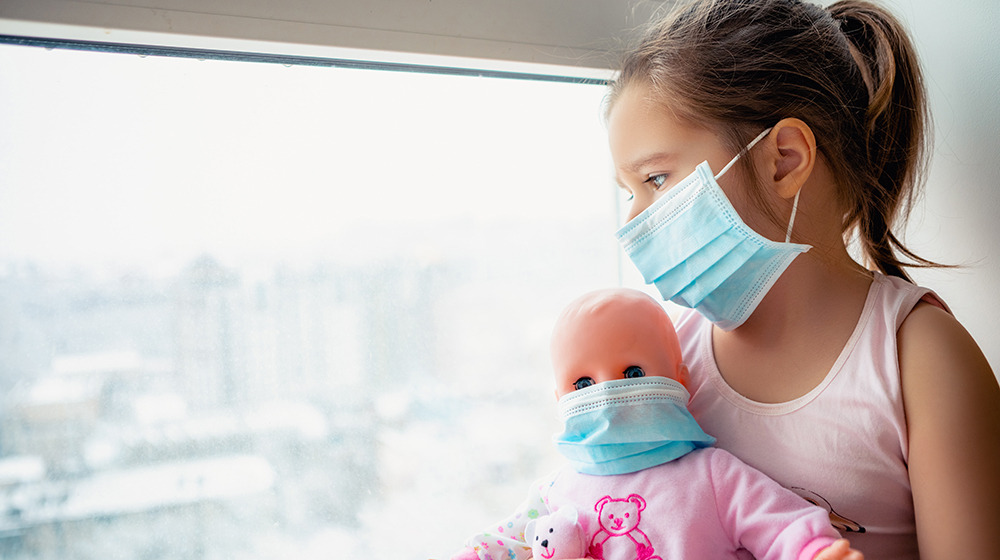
pixel 692 245
pixel 626 425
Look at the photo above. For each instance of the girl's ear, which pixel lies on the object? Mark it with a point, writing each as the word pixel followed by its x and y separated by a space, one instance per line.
pixel 792 162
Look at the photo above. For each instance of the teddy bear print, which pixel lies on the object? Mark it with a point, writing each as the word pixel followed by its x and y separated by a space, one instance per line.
pixel 620 537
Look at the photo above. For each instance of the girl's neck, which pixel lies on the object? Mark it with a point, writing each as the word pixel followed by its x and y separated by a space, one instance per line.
pixel 797 332
pixel 812 287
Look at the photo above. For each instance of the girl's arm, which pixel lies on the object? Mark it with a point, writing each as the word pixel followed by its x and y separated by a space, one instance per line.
pixel 952 404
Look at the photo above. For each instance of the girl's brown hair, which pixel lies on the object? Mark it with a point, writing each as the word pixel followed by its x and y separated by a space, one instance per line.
pixel 848 71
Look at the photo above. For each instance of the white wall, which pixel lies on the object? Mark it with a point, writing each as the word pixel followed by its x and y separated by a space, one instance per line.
pixel 958 221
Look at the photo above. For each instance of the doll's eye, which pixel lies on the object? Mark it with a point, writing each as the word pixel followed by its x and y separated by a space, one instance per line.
pixel 632 372
pixel 583 383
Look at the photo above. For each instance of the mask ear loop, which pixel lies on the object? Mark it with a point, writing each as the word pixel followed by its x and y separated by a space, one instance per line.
pixel 795 207
pixel 795 203
pixel 742 152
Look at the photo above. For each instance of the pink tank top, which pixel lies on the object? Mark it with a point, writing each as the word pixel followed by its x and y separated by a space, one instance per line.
pixel 843 445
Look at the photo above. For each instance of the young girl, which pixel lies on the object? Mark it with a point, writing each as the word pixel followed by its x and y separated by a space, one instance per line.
pixel 850 385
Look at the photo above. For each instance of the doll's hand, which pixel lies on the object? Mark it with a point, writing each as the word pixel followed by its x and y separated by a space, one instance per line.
pixel 839 550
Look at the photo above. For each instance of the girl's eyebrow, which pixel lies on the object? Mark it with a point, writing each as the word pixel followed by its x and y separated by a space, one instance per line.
pixel 636 165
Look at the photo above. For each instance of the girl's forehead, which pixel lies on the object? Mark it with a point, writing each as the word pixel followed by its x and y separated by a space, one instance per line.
pixel 641 130
pixel 640 102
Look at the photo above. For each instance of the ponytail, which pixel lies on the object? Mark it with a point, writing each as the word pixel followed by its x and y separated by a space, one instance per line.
pixel 895 131
pixel 848 71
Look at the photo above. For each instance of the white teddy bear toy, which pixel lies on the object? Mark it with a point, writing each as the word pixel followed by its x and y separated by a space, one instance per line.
pixel 557 535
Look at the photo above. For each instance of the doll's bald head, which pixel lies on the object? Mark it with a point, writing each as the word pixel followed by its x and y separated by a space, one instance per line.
pixel 614 333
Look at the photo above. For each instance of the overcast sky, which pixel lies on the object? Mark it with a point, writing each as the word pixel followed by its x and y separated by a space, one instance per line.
pixel 119 160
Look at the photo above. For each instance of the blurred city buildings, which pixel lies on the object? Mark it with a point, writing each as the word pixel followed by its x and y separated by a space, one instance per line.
pixel 152 419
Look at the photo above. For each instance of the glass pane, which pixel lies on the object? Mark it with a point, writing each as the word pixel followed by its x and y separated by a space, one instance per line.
pixel 253 311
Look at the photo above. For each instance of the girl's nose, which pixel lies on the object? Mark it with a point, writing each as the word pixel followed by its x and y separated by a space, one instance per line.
pixel 639 203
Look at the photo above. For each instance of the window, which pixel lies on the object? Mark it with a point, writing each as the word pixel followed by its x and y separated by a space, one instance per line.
pixel 259 311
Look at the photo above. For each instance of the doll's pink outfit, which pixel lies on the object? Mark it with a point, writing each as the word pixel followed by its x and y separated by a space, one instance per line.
pixel 706 505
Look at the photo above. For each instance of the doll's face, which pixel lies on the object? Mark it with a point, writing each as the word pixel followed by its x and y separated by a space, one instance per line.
pixel 613 334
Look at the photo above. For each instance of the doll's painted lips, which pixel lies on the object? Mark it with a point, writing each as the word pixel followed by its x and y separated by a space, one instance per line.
pixel 550 554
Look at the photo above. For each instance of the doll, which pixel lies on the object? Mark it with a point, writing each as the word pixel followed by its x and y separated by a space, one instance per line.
pixel 641 474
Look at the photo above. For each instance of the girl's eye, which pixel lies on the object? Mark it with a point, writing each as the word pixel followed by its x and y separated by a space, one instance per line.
pixel 632 372
pixel 658 180
pixel 583 383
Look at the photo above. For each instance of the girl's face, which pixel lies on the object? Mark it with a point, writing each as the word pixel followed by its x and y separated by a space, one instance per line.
pixel 653 150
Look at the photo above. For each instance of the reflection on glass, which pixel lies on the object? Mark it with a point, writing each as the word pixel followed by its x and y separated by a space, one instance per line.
pixel 250 311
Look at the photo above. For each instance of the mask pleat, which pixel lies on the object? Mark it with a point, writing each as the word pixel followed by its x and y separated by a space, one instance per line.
pixel 627 425
pixel 721 269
